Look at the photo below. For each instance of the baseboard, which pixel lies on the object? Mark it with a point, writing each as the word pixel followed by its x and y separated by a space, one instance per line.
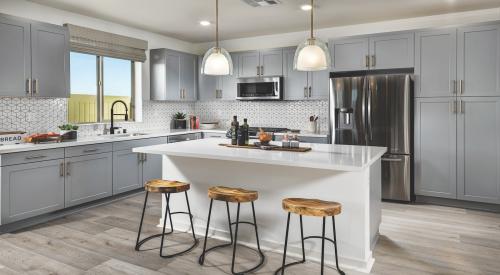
pixel 489 207
pixel 294 249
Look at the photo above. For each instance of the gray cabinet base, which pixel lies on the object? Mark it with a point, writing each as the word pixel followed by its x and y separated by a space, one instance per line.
pixel 459 203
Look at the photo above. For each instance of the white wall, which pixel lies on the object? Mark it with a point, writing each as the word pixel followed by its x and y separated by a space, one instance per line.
pixel 42 13
pixel 294 38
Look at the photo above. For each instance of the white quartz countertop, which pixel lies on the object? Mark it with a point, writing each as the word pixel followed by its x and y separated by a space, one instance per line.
pixel 322 156
pixel 23 147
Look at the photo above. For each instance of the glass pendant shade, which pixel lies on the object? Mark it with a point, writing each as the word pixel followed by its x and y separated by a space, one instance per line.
pixel 217 61
pixel 312 55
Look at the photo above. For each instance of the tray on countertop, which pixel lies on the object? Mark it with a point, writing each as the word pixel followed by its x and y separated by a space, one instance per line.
pixel 269 148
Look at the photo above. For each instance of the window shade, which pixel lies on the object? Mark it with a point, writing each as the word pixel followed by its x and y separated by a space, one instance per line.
pixel 96 42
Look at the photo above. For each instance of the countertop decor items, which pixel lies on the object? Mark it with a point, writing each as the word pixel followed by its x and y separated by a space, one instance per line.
pixel 217 60
pixel 312 54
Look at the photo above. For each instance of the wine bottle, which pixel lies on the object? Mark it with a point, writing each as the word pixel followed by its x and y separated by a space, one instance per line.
pixel 245 131
pixel 234 130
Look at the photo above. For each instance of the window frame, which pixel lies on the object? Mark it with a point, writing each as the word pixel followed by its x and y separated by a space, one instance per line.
pixel 100 91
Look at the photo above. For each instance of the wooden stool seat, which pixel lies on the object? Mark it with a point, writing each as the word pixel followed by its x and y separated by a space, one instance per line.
pixel 229 194
pixel 166 186
pixel 311 207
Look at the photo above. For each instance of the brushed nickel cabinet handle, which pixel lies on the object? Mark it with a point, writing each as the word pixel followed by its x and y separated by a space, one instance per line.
pixel 454 87
pixel 367 61
pixel 28 86
pixel 68 172
pixel 90 150
pixel 453 107
pixel 462 106
pixel 461 87
pixel 373 61
pixel 36 157
pixel 61 169
pixel 310 91
pixel 305 92
pixel 35 86
pixel 145 157
pixel 261 70
pixel 258 70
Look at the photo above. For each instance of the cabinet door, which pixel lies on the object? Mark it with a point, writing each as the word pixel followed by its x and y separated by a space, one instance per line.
pixel 157 74
pixel 229 83
pixel 127 171
pixel 173 75
pixel 88 178
pixel 436 63
pixel 188 65
pixel 32 189
pixel 151 167
pixel 349 54
pixel 392 51
pixel 479 149
pixel 50 60
pixel 295 81
pixel 319 84
pixel 249 63
pixel 271 62
pixel 15 56
pixel 207 84
pixel 479 60
pixel 435 147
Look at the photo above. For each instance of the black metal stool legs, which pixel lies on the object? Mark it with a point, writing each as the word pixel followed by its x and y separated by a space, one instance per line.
pixel 235 240
pixel 139 243
pixel 281 270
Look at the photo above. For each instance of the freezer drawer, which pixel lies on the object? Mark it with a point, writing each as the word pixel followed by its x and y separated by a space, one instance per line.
pixel 396 177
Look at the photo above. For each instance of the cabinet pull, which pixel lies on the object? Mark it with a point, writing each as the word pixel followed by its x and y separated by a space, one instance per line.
pixel 261 70
pixel 462 107
pixel 258 70
pixel 90 150
pixel 373 61
pixel 35 86
pixel 453 107
pixel 367 61
pixel 392 160
pixel 305 92
pixel 68 172
pixel 36 157
pixel 220 94
pixel 61 169
pixel 310 91
pixel 461 88
pixel 28 86
pixel 454 87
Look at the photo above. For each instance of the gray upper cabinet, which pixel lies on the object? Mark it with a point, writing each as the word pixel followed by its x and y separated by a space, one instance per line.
pixel 479 60
pixel 32 189
pixel 271 62
pixel 319 85
pixel 383 51
pixel 127 171
pixel 88 178
pixel 173 75
pixel 392 51
pixel 295 81
pixel 229 83
pixel 208 85
pixel 213 87
pixel 349 54
pixel 479 149
pixel 50 60
pixel 249 64
pixel 435 147
pixel 435 63
pixel 15 56
pixel 35 58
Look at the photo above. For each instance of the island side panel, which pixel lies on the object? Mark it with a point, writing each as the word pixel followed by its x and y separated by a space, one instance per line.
pixel 375 201
pixel 274 182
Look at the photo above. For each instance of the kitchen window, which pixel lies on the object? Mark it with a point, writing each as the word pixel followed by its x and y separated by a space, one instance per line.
pixel 96 82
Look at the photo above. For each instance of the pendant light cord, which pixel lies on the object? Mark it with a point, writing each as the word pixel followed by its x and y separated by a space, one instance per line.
pixel 217 24
pixel 312 18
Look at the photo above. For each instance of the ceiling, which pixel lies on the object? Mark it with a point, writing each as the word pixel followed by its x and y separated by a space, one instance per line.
pixel 180 18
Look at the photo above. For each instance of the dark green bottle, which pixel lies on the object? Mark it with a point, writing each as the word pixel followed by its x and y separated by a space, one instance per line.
pixel 245 129
pixel 235 125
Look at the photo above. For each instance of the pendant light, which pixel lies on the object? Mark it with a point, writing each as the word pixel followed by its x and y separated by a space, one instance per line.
pixel 313 54
pixel 217 60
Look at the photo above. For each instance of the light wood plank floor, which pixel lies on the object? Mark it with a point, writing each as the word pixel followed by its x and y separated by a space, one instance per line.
pixel 415 239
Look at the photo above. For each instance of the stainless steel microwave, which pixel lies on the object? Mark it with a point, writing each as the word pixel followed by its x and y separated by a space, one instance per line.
pixel 260 88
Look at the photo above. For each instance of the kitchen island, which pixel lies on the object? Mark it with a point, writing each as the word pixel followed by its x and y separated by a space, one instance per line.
pixel 350 175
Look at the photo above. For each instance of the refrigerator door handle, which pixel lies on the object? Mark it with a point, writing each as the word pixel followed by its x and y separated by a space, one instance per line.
pixel 369 110
pixel 392 160
pixel 363 107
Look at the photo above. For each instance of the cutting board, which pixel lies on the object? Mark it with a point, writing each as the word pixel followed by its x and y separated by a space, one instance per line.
pixel 271 148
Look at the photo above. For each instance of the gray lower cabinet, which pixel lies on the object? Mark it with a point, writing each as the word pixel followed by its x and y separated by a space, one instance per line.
pixel 479 149
pixel 435 147
pixel 436 63
pixel 88 178
pixel 478 63
pixel 127 171
pixel 32 189
pixel 15 56
pixel 151 167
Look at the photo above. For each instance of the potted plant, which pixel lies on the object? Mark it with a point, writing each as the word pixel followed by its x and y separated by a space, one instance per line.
pixel 180 121
pixel 68 131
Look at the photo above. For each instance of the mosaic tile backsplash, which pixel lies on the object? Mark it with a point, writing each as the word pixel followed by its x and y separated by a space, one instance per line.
pixel 43 114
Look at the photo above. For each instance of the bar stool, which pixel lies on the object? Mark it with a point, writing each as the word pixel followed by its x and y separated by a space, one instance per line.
pixel 166 188
pixel 234 195
pixel 315 208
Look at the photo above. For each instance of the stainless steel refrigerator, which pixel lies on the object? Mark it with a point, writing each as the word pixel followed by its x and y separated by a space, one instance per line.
pixel 376 110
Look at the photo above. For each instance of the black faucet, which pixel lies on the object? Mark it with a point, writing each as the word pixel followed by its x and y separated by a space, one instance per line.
pixel 112 129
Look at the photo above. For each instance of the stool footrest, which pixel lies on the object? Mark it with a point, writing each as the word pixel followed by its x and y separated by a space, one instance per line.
pixel 319 237
pixel 249 223
pixel 140 243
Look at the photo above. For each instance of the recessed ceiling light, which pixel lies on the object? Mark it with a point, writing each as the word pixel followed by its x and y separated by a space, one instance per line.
pixel 306 7
pixel 205 23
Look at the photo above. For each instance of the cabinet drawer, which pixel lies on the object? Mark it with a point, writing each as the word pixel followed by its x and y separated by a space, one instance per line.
pixel 88 149
pixel 32 156
pixel 214 135
pixel 127 145
pixel 183 137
